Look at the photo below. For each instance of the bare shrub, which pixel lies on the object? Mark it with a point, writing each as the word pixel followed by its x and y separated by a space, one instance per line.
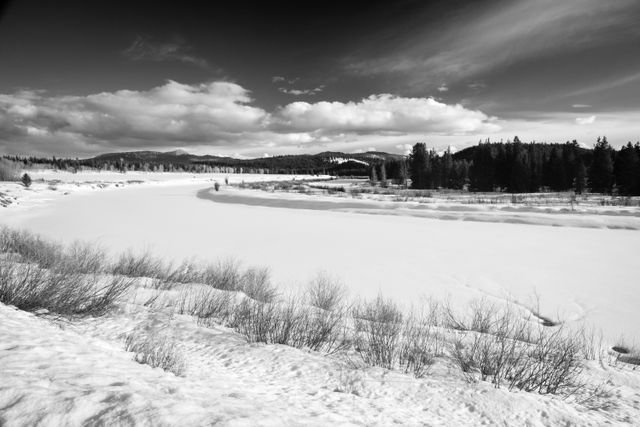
pixel 83 258
pixel 325 330
pixel 325 292
pixel 552 366
pixel 378 327
pixel 157 351
pixel 186 272
pixel 207 304
pixel 9 171
pixel 223 275
pixel 269 323
pixel 480 317
pixel 591 343
pixel 32 288
pixel 419 345
pixel 290 322
pixel 256 284
pixel 30 248
pixel 511 353
pixel 139 265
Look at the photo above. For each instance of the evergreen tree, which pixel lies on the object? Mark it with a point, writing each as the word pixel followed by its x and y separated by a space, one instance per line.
pixel 601 170
pixel 26 180
pixel 557 181
pixel 418 163
pixel 581 177
pixel 446 169
pixel 519 168
pixel 627 171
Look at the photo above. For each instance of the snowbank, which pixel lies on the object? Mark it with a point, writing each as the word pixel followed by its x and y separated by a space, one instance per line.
pixel 77 373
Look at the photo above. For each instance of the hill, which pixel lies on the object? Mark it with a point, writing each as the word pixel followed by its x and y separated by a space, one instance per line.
pixel 328 162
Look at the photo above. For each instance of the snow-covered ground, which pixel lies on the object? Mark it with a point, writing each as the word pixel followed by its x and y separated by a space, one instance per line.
pixel 77 373
pixel 57 372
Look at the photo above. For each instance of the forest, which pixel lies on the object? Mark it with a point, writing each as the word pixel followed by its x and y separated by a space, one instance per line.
pixel 516 167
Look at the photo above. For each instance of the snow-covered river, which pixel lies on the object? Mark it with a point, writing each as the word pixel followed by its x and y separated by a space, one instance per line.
pixel 578 273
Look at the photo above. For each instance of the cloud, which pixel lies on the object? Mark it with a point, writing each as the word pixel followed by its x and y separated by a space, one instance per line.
pixel 144 49
pixel 218 114
pixel 385 114
pixel 300 92
pixel 280 79
pixel 585 120
pixel 443 88
pixel 480 40
pixel 581 106
pixel 404 148
pixel 613 83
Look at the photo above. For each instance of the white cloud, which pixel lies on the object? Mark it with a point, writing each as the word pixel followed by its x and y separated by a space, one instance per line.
pixel 277 79
pixel 585 120
pixel 219 114
pixel 443 88
pixel 581 106
pixel 404 148
pixel 385 113
pixel 299 92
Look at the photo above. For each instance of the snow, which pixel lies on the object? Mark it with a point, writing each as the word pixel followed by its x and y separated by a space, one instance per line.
pixel 585 274
pixel 340 160
pixel 57 372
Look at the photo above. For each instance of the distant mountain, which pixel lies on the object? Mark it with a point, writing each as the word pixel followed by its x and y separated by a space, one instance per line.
pixel 333 162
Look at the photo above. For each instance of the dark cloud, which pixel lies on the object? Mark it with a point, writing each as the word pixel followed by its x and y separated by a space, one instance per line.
pixel 145 49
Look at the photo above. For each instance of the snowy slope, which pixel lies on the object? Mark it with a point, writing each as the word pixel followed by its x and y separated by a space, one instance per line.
pixel 77 373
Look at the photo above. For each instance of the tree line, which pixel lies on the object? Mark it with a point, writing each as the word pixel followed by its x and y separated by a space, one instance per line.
pixel 523 168
pixel 517 167
pixel 513 166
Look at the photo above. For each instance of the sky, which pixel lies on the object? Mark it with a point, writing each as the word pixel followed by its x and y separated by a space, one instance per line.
pixel 253 79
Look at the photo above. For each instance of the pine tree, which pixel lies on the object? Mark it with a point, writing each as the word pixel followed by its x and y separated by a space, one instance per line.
pixel 601 170
pixel 627 170
pixel 581 177
pixel 418 165
pixel 26 180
